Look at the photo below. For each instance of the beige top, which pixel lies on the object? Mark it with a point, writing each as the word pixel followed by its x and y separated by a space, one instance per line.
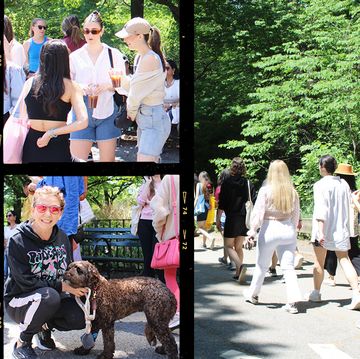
pixel 146 88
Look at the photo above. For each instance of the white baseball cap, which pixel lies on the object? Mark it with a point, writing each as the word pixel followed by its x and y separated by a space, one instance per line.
pixel 135 26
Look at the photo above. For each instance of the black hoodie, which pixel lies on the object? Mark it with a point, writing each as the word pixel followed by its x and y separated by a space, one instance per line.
pixel 234 193
pixel 35 263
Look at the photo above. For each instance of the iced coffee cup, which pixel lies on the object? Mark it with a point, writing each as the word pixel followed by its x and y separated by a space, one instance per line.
pixel 91 95
pixel 115 75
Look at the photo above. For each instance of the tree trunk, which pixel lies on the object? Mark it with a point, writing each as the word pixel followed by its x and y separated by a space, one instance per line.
pixel 137 8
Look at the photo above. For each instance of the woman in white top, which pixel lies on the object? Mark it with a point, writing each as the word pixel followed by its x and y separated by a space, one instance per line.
pixel 14 51
pixel 331 228
pixel 276 213
pixel 172 95
pixel 146 89
pixel 90 66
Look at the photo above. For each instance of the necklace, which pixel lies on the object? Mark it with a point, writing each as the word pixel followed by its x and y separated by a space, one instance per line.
pixel 169 84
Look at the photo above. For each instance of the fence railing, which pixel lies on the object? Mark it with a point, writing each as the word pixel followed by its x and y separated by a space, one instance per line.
pixel 109 223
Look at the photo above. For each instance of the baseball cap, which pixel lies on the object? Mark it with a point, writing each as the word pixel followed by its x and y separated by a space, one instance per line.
pixel 135 26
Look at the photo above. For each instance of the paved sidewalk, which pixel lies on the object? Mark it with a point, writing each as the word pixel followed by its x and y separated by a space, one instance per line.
pixel 130 341
pixel 228 327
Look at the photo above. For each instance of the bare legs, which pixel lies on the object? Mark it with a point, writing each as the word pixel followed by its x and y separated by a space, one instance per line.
pixel 236 255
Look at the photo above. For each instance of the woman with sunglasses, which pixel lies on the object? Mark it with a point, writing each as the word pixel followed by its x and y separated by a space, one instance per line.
pixel 32 46
pixel 146 88
pixel 47 99
pixel 90 67
pixel 36 297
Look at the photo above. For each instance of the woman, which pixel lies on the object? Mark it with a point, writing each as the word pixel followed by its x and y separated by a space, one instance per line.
pixel 203 188
pixel 276 213
pixel 14 51
pixel 234 194
pixel 146 89
pixel 73 36
pixel 35 294
pixel 166 223
pixel 9 231
pixel 220 215
pixel 90 67
pixel 331 228
pixel 345 172
pixel 172 96
pixel 49 96
pixel 146 231
pixel 33 46
pixel 14 79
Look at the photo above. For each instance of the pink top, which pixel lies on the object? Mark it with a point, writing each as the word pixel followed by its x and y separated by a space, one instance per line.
pixel 263 210
pixel 144 199
pixel 217 193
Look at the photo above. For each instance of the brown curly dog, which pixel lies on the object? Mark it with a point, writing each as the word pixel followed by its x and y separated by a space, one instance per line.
pixel 116 299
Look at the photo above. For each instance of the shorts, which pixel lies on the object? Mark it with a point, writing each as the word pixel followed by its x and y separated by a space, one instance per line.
pixel 98 129
pixel 153 129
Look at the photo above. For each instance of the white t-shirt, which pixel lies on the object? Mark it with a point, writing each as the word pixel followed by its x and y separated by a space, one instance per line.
pixel 332 199
pixel 17 53
pixel 8 232
pixel 84 72
pixel 172 95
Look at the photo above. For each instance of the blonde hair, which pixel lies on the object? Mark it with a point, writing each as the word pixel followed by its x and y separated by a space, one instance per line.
pixel 49 191
pixel 283 193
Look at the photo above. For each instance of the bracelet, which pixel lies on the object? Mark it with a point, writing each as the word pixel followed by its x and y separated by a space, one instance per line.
pixel 52 133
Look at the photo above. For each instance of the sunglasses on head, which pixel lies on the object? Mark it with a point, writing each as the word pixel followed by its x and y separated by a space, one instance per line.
pixel 92 31
pixel 40 27
pixel 53 209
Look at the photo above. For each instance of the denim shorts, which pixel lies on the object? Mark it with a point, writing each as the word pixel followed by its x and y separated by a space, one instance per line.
pixel 153 129
pixel 98 129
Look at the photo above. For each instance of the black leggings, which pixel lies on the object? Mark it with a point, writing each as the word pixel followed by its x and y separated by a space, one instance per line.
pixel 57 150
pixel 354 255
pixel 147 236
pixel 44 305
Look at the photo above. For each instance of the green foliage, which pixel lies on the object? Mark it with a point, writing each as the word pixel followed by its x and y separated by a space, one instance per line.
pixel 290 81
pixel 114 13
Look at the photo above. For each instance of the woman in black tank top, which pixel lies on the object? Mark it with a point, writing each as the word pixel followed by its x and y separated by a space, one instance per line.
pixel 48 137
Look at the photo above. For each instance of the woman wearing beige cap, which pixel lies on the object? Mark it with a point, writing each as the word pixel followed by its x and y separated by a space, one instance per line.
pixel 345 171
pixel 146 89
pixel 331 228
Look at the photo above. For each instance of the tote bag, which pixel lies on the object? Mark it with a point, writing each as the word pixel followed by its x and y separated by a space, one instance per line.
pixel 249 207
pixel 135 217
pixel 167 253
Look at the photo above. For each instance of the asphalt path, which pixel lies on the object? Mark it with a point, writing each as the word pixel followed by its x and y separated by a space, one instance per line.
pixel 228 327
pixel 130 341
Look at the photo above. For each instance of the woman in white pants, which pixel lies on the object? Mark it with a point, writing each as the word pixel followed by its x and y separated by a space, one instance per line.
pixel 276 213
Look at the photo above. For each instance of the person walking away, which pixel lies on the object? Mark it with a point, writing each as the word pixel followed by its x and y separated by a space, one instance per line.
pixel 73 36
pixel 276 213
pixel 331 228
pixel 15 51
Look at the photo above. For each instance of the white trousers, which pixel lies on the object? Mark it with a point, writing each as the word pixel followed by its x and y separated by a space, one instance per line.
pixel 279 236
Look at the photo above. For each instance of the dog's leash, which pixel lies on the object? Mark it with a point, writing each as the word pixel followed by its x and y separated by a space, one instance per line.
pixel 87 338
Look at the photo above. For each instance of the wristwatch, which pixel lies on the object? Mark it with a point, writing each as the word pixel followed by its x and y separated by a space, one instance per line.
pixel 52 133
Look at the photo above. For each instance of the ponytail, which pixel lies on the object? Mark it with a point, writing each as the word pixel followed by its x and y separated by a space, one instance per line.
pixel 76 35
pixel 154 41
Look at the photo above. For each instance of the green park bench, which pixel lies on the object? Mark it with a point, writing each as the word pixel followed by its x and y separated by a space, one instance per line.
pixel 112 250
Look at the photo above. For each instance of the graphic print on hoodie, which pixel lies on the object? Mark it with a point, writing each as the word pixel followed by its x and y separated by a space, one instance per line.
pixel 35 263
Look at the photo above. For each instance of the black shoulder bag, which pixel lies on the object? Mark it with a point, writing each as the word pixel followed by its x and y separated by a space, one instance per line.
pixel 120 120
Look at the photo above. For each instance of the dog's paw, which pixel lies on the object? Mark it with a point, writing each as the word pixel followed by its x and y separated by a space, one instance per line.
pixel 81 351
pixel 160 350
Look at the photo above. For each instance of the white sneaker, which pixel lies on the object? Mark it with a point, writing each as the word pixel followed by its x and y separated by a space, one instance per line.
pixel 355 303
pixel 175 321
pixel 291 308
pixel 254 299
pixel 212 245
pixel 313 296
pixel 330 281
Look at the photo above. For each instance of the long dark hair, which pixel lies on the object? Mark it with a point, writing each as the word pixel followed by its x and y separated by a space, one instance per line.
pixel 4 74
pixel 8 30
pixel 54 67
pixel 71 27
pixel 14 214
pixel 350 179
pixel 154 41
